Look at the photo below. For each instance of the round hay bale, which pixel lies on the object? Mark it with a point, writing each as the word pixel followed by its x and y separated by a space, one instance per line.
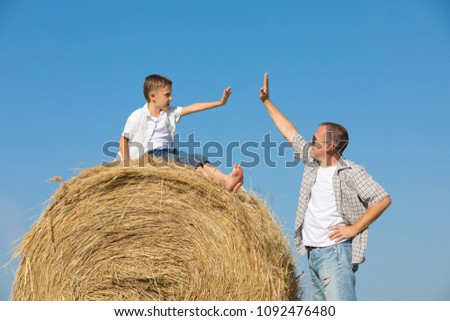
pixel 147 232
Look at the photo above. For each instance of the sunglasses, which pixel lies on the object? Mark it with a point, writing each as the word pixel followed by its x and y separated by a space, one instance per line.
pixel 314 141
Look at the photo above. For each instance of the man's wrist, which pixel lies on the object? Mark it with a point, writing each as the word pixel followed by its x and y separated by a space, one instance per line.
pixel 267 102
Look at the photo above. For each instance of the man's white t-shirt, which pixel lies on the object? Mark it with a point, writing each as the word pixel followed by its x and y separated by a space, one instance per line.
pixel 321 213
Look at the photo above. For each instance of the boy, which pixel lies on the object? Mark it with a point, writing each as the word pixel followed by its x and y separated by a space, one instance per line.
pixel 151 129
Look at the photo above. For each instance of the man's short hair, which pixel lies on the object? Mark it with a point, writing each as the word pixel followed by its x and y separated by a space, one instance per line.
pixel 154 83
pixel 338 135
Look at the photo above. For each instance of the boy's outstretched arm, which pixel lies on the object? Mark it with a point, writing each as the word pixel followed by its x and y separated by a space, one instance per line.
pixel 283 124
pixel 208 105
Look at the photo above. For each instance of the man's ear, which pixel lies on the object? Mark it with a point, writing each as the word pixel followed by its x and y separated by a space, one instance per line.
pixel 151 95
pixel 329 147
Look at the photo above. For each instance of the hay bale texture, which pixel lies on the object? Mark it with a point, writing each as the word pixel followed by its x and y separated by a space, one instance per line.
pixel 149 232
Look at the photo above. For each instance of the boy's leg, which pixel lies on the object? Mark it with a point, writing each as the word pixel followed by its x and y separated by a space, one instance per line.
pixel 194 160
pixel 232 181
pixel 178 157
pixel 161 157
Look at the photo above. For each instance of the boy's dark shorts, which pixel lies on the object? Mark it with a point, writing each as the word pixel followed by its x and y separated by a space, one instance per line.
pixel 194 160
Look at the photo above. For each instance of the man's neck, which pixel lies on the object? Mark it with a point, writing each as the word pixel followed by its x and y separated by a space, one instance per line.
pixel 331 160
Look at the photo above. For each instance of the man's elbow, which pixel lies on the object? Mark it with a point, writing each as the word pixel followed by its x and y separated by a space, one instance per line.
pixel 382 204
pixel 388 201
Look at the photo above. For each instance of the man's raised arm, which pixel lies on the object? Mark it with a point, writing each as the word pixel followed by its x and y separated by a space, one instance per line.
pixel 283 124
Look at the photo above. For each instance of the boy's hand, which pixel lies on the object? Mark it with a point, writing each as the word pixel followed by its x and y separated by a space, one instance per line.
pixel 264 92
pixel 226 95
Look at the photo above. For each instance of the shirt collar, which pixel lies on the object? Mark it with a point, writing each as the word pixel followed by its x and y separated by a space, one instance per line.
pixel 147 111
pixel 342 164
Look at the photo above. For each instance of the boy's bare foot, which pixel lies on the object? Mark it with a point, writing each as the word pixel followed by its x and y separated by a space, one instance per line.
pixel 235 179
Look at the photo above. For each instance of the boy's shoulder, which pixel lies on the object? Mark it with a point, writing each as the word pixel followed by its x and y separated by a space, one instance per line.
pixel 174 110
pixel 137 113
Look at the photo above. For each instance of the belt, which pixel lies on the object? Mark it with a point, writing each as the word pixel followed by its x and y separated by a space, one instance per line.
pixel 310 248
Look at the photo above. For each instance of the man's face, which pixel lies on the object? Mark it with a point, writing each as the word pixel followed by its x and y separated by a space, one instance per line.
pixel 318 143
pixel 162 98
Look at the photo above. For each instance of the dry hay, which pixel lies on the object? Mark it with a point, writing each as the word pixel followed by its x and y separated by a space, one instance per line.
pixel 153 233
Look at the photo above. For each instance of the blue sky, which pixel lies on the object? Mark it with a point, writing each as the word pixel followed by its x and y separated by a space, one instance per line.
pixel 72 71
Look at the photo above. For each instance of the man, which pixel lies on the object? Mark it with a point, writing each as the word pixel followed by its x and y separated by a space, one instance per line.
pixel 337 203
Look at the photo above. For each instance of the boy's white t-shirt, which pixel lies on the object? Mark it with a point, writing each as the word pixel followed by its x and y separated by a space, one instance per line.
pixel 322 212
pixel 145 132
pixel 161 135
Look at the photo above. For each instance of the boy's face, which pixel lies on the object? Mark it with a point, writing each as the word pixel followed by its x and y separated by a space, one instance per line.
pixel 162 98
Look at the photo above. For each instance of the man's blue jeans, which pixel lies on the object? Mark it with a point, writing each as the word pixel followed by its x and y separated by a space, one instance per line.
pixel 332 272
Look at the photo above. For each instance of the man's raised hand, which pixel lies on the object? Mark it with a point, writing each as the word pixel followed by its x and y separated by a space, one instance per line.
pixel 264 92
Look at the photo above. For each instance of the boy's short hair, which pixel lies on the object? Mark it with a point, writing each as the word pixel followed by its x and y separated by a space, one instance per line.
pixel 338 135
pixel 154 83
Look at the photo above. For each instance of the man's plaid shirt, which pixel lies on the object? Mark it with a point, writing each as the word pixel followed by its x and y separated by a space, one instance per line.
pixel 355 191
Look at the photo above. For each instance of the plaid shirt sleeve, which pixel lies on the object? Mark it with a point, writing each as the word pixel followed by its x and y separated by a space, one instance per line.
pixel 367 188
pixel 358 192
pixel 302 150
